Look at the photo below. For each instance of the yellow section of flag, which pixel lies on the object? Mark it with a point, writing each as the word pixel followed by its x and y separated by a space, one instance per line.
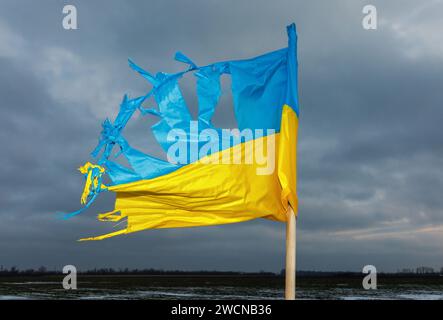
pixel 208 192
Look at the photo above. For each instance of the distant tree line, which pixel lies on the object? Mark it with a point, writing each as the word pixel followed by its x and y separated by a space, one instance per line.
pixel 42 271
pixel 126 271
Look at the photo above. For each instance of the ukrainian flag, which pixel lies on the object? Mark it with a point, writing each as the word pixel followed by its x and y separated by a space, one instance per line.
pixel 204 190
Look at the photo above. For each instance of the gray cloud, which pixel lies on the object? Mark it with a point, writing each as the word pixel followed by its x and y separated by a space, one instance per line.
pixel 370 141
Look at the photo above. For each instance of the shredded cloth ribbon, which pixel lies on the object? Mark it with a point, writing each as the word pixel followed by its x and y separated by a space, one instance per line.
pixel 93 186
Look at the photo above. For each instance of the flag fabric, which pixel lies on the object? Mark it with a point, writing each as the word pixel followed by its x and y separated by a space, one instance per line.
pixel 209 177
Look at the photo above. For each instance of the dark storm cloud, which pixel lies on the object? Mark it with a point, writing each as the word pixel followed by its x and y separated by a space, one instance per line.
pixel 370 135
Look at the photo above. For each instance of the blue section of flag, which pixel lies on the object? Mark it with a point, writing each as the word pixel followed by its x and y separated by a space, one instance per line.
pixel 260 88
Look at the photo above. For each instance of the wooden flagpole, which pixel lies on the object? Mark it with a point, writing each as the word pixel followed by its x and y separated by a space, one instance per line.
pixel 291 251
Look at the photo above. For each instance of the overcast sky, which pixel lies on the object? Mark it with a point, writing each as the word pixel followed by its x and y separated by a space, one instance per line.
pixel 370 144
